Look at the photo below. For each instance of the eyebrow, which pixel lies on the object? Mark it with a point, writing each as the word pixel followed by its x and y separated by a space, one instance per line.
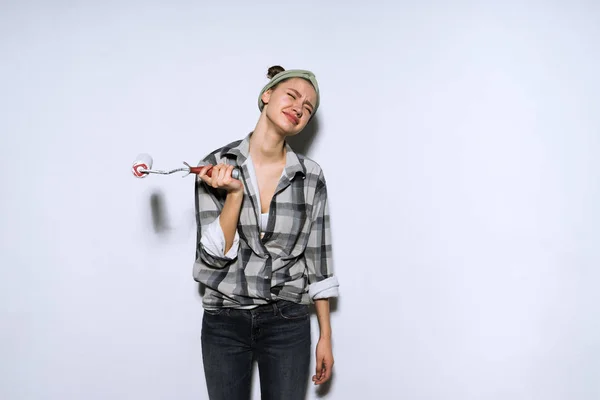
pixel 299 95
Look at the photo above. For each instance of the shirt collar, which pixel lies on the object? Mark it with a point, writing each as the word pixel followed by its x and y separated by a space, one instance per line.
pixel 241 151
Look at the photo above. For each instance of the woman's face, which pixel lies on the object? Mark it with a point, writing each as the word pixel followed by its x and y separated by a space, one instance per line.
pixel 290 106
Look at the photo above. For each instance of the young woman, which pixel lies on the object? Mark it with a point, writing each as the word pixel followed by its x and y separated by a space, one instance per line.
pixel 264 252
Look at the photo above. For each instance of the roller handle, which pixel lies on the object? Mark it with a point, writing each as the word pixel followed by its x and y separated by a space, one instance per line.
pixel 235 174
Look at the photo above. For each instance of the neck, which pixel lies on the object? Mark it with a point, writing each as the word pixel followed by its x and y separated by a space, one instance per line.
pixel 267 146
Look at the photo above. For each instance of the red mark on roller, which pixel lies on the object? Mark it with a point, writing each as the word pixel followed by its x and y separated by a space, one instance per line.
pixel 136 170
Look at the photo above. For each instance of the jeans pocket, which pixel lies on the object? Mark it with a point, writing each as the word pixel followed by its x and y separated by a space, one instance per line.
pixel 293 311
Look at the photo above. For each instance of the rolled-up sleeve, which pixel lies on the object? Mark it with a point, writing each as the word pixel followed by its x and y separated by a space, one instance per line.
pixel 318 254
pixel 213 241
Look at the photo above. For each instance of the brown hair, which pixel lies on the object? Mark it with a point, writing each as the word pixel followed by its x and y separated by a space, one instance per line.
pixel 274 70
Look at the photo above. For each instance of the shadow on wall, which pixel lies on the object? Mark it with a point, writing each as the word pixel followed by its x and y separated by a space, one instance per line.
pixel 158 213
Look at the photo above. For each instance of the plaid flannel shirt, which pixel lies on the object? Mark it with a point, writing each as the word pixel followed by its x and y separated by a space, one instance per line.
pixel 292 261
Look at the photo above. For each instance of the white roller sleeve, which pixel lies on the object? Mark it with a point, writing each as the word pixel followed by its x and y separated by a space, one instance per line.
pixel 142 162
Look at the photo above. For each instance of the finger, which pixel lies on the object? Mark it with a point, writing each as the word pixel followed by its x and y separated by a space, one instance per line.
pixel 204 170
pixel 209 171
pixel 228 172
pixel 323 373
pixel 318 380
pixel 215 175
pixel 318 369
pixel 222 172
pixel 327 374
pixel 319 373
pixel 203 173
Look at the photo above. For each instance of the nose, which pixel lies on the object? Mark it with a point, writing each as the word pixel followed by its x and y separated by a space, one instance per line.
pixel 297 110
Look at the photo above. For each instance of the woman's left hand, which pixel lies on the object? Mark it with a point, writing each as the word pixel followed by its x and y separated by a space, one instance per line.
pixel 324 361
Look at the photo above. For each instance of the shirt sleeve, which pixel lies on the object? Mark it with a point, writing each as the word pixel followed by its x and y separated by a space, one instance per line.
pixel 321 279
pixel 213 241
pixel 210 241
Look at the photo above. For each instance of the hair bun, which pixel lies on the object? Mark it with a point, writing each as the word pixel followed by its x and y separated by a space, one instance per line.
pixel 274 70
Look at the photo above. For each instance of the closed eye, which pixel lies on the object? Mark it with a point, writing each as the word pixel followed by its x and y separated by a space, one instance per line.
pixel 294 94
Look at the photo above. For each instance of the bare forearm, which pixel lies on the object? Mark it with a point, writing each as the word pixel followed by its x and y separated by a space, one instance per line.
pixel 322 309
pixel 230 216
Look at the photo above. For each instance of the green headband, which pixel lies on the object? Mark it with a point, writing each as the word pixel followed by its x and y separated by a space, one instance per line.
pixel 292 73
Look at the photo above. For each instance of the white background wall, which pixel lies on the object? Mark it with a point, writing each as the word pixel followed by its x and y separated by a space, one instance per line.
pixel 460 141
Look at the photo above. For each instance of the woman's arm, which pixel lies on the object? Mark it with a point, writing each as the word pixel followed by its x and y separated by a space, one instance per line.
pixel 228 218
pixel 323 284
pixel 324 352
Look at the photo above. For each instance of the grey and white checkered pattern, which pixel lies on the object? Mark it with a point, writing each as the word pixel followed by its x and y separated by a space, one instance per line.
pixel 295 253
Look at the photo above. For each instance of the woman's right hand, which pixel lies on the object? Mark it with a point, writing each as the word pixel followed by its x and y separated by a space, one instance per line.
pixel 221 178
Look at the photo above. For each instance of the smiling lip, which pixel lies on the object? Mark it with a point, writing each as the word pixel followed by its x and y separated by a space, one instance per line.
pixel 293 119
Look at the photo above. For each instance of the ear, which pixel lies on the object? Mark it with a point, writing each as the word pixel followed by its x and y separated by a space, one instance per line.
pixel 266 96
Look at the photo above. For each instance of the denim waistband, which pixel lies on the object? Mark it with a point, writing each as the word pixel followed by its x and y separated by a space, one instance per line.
pixel 269 307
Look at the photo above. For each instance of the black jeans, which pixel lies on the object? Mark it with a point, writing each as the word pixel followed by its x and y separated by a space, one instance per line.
pixel 277 336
